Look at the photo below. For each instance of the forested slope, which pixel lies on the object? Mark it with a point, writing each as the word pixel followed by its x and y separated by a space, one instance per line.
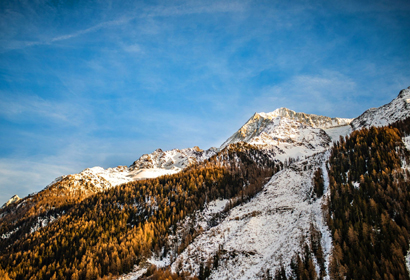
pixel 109 232
pixel 369 210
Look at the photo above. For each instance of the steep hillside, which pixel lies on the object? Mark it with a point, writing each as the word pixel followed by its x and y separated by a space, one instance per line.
pixel 110 231
pixel 396 110
pixel 369 211
pixel 265 233
pixel 21 216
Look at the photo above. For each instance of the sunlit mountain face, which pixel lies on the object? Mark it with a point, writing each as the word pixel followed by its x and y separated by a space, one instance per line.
pixel 288 196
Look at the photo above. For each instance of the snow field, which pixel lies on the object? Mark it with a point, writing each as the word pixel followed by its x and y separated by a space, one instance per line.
pixel 265 232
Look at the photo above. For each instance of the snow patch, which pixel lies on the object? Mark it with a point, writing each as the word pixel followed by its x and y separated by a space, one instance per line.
pixel 406 141
pixel 13 199
pixel 159 263
pixel 43 222
pixel 135 274
pixel 8 234
pixel 336 132
pixel 327 242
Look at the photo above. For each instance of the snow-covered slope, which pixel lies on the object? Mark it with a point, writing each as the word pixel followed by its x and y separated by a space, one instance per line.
pixel 308 119
pixel 261 125
pixel 284 137
pixel 397 109
pixel 408 261
pixel 147 166
pixel 172 160
pixel 336 132
pixel 266 232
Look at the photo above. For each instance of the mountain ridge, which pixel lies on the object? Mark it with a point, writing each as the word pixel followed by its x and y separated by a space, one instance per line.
pixel 261 122
pixel 287 205
pixel 257 130
pixel 398 108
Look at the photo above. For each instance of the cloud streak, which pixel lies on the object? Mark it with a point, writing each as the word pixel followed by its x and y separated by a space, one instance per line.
pixel 26 108
pixel 162 11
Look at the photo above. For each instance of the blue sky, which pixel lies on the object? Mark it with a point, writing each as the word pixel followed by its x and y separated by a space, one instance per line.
pixel 99 83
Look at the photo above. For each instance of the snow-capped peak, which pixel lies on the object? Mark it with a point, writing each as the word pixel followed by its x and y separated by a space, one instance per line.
pixel 397 109
pixel 307 119
pixel 286 126
pixel 13 199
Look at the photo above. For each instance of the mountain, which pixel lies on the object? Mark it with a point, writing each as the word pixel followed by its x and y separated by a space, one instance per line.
pixel 152 165
pixel 262 125
pixel 264 233
pixel 283 198
pixel 35 211
pixel 13 199
pixel 397 109
pixel 288 134
pixel 173 160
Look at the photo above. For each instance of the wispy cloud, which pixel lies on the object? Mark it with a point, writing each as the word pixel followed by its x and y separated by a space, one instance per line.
pixel 94 28
pixel 187 8
pixel 29 107
pixel 134 48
